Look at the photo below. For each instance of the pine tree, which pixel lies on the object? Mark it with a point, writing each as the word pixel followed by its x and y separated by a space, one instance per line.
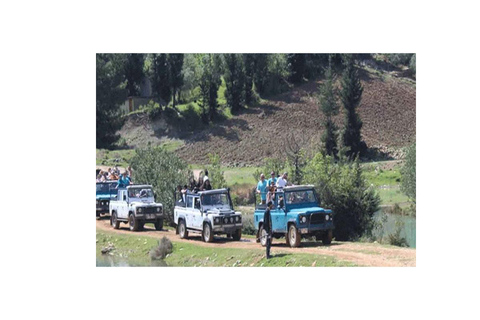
pixel 161 77
pixel 296 64
pixel 249 63
pixel 260 73
pixel 210 80
pixel 134 72
pixel 235 81
pixel 175 62
pixel 351 95
pixel 329 107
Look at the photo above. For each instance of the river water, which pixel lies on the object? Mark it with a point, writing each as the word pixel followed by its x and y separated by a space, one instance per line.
pixel 407 224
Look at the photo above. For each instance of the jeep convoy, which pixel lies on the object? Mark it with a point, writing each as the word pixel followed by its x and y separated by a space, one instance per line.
pixel 296 213
pixel 207 212
pixel 136 206
pixel 106 191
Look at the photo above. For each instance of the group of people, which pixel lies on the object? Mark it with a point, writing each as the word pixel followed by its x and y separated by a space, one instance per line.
pixel 113 174
pixel 202 184
pixel 267 188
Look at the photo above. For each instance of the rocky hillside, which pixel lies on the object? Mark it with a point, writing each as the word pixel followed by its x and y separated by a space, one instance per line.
pixel 387 111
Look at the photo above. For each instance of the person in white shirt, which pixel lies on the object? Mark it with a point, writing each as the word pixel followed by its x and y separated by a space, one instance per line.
pixel 205 177
pixel 282 181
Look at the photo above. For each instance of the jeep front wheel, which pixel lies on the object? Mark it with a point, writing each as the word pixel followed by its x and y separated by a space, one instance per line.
pixel 115 222
pixel 293 236
pixel 133 223
pixel 207 233
pixel 182 229
pixel 159 224
pixel 237 235
pixel 327 237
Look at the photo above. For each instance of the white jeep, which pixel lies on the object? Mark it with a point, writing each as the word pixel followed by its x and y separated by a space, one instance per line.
pixel 136 206
pixel 207 212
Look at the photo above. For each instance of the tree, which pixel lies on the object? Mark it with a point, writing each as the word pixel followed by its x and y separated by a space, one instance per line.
pixel 235 82
pixel 215 173
pixel 249 63
pixel 110 94
pixel 260 73
pixel 341 186
pixel 409 173
pixel 210 80
pixel 295 157
pixel 161 77
pixel 351 95
pixel 175 62
pixel 329 107
pixel 163 170
pixel 134 72
pixel 296 65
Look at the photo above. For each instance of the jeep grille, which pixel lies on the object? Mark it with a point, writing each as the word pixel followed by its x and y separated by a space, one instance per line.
pixel 317 218
pixel 150 210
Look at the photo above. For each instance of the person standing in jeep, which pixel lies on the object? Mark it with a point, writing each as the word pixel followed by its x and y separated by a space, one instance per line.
pixel 267 225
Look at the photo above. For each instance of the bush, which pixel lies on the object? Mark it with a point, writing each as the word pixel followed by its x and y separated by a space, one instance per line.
pixel 163 170
pixel 164 247
pixel 413 64
pixel 395 239
pixel 270 164
pixel 248 226
pixel 400 58
pixel 409 177
pixel 215 174
pixel 342 187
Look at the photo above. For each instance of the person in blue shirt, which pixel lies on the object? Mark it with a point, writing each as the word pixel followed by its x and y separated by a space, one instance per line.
pixel 262 188
pixel 123 181
pixel 273 178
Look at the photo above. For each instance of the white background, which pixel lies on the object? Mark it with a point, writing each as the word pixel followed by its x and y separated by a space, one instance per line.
pixel 48 153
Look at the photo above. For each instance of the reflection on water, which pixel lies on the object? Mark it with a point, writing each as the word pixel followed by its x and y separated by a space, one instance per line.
pixel 408 226
pixel 106 260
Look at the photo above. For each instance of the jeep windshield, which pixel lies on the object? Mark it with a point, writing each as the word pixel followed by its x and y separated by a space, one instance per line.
pixel 217 200
pixel 106 188
pixel 140 193
pixel 301 197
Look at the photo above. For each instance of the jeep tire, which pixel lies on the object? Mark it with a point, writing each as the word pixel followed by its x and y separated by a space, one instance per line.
pixel 158 224
pixel 133 223
pixel 293 236
pixel 182 229
pixel 327 237
pixel 237 235
pixel 207 233
pixel 114 221
pixel 262 234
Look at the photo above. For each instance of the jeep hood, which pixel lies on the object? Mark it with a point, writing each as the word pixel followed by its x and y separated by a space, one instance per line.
pixel 309 210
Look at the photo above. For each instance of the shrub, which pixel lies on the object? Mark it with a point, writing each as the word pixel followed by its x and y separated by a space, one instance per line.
pixel 342 187
pixel 215 174
pixel 164 247
pixel 248 226
pixel 163 170
pixel 270 164
pixel 409 178
pixel 395 238
pixel 413 64
pixel 399 58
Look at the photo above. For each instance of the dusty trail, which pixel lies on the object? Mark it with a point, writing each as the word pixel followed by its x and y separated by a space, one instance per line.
pixel 363 254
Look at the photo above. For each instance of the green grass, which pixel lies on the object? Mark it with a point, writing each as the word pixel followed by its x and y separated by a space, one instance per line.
pixel 135 249
pixel 173 145
pixel 106 157
pixel 391 196
pixel 240 176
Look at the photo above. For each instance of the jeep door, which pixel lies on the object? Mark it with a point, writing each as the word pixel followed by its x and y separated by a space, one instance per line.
pixel 189 211
pixel 197 214
pixel 122 205
pixel 279 217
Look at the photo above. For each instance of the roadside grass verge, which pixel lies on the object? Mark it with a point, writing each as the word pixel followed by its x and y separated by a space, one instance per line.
pixel 136 248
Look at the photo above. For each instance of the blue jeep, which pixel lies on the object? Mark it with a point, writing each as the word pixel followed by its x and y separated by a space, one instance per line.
pixel 296 213
pixel 106 191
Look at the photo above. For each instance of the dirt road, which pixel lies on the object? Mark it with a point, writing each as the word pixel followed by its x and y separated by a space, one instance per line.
pixel 363 254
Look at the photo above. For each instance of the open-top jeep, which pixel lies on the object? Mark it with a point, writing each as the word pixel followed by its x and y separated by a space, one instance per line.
pixel 296 213
pixel 207 212
pixel 136 206
pixel 106 191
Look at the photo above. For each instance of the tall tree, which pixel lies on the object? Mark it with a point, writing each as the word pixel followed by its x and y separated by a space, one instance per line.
pixel 409 175
pixel 329 107
pixel 235 81
pixel 296 64
pixel 210 80
pixel 134 72
pixel 249 63
pixel 175 62
pixel 161 77
pixel 351 95
pixel 110 94
pixel 260 74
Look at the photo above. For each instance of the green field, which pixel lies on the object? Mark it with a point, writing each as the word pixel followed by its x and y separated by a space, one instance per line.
pixel 133 250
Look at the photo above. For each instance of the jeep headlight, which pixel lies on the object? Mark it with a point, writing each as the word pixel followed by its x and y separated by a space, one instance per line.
pixel 237 219
pixel 139 210
pixel 158 209
pixel 327 217
pixel 217 220
pixel 303 219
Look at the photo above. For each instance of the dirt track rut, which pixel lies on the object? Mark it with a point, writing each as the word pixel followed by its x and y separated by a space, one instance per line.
pixel 362 254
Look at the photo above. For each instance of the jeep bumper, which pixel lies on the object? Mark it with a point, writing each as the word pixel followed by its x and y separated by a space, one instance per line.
pixel 312 229
pixel 227 228
pixel 149 217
